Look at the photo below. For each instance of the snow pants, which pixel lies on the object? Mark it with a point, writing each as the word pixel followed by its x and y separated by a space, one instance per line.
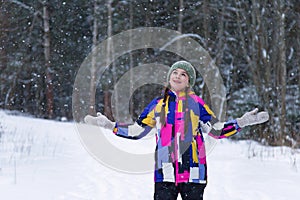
pixel 169 191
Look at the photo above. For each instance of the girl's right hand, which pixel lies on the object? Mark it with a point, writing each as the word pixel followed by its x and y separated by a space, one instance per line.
pixel 100 120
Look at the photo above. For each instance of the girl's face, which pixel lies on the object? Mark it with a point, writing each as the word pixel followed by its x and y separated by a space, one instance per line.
pixel 179 80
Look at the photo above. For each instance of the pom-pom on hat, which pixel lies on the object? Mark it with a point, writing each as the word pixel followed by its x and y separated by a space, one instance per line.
pixel 185 66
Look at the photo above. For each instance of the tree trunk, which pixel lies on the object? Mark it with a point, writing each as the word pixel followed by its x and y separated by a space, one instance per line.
pixel 180 16
pixel 107 104
pixel 107 101
pixel 48 75
pixel 179 25
pixel 4 26
pixel 282 67
pixel 205 10
pixel 131 106
pixel 93 69
pixel 220 38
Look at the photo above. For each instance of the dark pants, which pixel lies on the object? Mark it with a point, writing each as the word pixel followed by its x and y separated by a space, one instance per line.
pixel 169 191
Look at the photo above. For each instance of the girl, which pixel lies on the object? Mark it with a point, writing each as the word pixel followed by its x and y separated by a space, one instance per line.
pixel 180 118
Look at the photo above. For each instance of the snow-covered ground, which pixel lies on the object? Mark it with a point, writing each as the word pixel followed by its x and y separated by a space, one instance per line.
pixel 42 159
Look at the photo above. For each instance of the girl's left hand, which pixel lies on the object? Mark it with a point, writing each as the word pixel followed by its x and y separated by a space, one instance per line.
pixel 253 117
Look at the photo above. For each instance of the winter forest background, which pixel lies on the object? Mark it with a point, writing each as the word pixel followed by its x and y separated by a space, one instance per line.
pixel 255 45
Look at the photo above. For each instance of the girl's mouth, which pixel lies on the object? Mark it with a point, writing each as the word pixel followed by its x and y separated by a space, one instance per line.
pixel 176 81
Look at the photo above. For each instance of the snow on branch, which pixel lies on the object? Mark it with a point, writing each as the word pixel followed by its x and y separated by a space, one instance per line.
pixel 23 5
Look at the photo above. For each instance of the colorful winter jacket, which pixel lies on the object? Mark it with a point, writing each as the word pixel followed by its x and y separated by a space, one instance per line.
pixel 179 156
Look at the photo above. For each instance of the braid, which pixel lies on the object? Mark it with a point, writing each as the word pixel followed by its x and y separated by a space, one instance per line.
pixel 186 111
pixel 163 112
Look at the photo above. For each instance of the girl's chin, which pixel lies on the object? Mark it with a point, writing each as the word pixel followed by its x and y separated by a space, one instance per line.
pixel 177 89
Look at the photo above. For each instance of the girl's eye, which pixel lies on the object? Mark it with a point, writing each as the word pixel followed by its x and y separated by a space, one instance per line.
pixel 179 73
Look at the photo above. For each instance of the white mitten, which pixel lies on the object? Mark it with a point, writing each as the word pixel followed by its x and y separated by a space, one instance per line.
pixel 253 117
pixel 100 120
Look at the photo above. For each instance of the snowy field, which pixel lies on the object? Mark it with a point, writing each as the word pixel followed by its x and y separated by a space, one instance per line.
pixel 42 159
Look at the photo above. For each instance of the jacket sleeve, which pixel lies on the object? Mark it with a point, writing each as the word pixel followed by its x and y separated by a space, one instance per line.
pixel 219 129
pixel 141 127
pixel 224 129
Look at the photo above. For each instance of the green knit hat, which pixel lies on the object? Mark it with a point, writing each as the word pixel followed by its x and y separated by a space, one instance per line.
pixel 185 66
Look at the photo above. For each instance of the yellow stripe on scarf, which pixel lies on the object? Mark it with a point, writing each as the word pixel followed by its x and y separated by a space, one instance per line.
pixel 195 121
pixel 194 151
pixel 180 106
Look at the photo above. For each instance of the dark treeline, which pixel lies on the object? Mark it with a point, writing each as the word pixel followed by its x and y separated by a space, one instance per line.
pixel 255 44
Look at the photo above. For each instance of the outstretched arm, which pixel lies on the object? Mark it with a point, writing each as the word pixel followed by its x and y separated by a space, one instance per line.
pixel 139 129
pixel 126 131
pixel 220 130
